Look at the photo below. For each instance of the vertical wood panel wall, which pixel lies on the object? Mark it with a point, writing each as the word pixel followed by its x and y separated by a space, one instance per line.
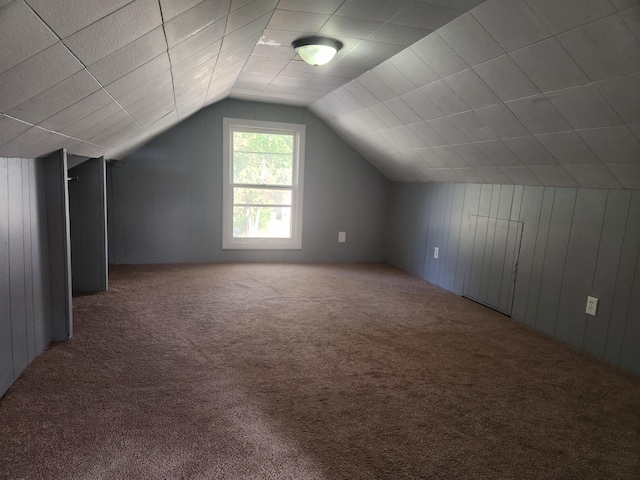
pixel 26 302
pixel 575 243
pixel 88 224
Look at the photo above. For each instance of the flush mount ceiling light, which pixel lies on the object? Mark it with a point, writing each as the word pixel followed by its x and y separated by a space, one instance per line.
pixel 316 50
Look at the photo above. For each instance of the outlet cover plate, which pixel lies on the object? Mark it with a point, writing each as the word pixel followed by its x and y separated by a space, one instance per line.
pixel 592 306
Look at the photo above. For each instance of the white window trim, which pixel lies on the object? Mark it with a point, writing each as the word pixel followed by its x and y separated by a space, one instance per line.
pixel 295 241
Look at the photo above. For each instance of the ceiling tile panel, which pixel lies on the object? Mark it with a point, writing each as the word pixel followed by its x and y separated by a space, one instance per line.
pixel 22 35
pixel 132 96
pixel 593 176
pixel 78 111
pixel 448 131
pixel 438 55
pixel 520 176
pixel 69 16
pixel 403 111
pixel 498 153
pixel 470 40
pixel 553 175
pixel 501 121
pixel 386 115
pixel 93 119
pixel 529 151
pixel 584 107
pixel 114 31
pixel 420 104
pixel 627 175
pixel 249 13
pixel 450 157
pixel 603 49
pixel 472 155
pixel 57 98
pixel 444 97
pixel 129 57
pixel 398 34
pixel 10 129
pixel 511 23
pixel 505 78
pixel 204 39
pixel 393 78
pixel 427 135
pixel 378 10
pixel 139 76
pixel 289 20
pixel 622 95
pixel 349 27
pixel 192 21
pixel 364 96
pixel 376 86
pixel 549 66
pixel 35 75
pixel 471 89
pixel 568 148
pixel 314 6
pixel 613 145
pixel 568 14
pixel 471 125
pixel 412 67
pixel 494 175
pixel 538 114
pixel 425 15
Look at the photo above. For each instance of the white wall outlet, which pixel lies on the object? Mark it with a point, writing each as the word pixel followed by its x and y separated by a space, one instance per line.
pixel 592 306
pixel 342 237
pixel 436 252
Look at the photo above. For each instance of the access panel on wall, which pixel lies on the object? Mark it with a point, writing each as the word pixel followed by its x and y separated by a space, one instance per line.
pixel 494 261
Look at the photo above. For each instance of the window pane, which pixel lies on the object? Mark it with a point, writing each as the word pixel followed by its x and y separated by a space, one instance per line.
pixel 262 168
pixel 262 142
pixel 261 196
pixel 262 222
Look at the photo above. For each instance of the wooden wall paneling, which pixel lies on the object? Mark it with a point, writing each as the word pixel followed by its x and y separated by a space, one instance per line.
pixel 432 212
pixel 624 282
pixel 56 200
pixel 17 267
pixel 436 232
pixel 539 253
pixel 28 259
pixel 630 352
pixel 554 260
pixel 467 232
pixel 407 222
pixel 455 234
pixel 87 204
pixel 580 262
pixel 40 260
pixel 489 244
pixel 446 233
pixel 529 216
pixel 6 347
pixel 606 271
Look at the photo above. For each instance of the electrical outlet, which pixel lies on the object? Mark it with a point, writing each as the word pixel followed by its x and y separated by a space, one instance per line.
pixel 342 237
pixel 592 306
pixel 436 252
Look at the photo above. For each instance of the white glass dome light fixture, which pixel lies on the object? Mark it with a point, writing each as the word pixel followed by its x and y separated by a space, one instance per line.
pixel 316 51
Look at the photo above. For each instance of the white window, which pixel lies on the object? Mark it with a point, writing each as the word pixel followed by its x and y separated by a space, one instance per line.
pixel 263 170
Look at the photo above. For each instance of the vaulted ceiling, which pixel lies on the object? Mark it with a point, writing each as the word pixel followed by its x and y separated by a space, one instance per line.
pixel 543 92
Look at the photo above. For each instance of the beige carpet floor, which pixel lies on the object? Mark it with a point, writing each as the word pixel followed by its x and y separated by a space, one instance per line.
pixel 264 371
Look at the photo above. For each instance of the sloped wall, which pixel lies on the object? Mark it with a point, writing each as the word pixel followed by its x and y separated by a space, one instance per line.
pixel 575 242
pixel 165 200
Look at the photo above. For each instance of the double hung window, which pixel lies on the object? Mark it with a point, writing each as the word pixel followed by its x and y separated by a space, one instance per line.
pixel 263 184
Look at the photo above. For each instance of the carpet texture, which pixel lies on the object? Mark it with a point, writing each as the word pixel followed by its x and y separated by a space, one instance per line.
pixel 264 371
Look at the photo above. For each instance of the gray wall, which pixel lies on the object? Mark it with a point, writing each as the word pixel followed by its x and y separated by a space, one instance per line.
pixel 88 224
pixel 575 242
pixel 30 198
pixel 165 200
